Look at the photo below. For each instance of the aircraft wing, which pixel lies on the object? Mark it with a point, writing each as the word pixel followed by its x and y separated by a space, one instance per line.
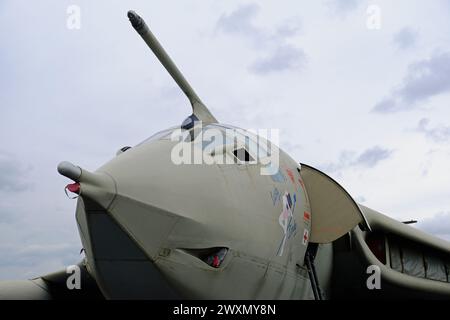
pixel 412 264
pixel 52 286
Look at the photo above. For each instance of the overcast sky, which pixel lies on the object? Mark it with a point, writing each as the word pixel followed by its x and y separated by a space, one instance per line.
pixel 367 100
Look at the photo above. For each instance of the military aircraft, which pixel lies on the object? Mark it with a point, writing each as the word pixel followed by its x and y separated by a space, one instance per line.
pixel 152 228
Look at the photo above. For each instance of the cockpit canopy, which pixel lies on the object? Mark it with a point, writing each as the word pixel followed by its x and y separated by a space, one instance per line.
pixel 246 146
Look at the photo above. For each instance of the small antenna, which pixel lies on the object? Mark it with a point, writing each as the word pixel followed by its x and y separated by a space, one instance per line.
pixel 410 222
pixel 198 108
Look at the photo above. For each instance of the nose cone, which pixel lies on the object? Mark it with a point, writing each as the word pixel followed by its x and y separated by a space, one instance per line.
pixel 165 205
pixel 115 257
pixel 144 205
pixel 69 170
pixel 98 187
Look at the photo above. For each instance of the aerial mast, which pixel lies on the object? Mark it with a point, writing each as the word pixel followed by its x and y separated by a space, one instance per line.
pixel 199 109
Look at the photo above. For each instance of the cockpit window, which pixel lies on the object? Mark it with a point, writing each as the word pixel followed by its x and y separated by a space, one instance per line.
pixel 242 155
pixel 254 144
pixel 161 135
pixel 241 144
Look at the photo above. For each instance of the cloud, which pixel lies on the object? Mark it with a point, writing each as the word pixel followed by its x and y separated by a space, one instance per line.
pixel 33 260
pixel 28 254
pixel 289 28
pixel 31 247
pixel 12 174
pixel 438 225
pixel 386 105
pixel 424 80
pixel 240 21
pixel 371 157
pixel 280 55
pixel 343 6
pixel 406 38
pixel 367 159
pixel 7 214
pixel 437 134
pixel 286 57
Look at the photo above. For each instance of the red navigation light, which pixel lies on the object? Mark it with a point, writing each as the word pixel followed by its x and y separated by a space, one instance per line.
pixel 74 188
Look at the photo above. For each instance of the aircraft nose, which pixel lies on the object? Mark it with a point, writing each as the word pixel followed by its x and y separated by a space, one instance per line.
pixel 125 193
pixel 162 204
pixel 138 207
pixel 120 262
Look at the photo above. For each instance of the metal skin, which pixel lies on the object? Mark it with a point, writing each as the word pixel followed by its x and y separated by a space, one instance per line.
pixel 147 224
